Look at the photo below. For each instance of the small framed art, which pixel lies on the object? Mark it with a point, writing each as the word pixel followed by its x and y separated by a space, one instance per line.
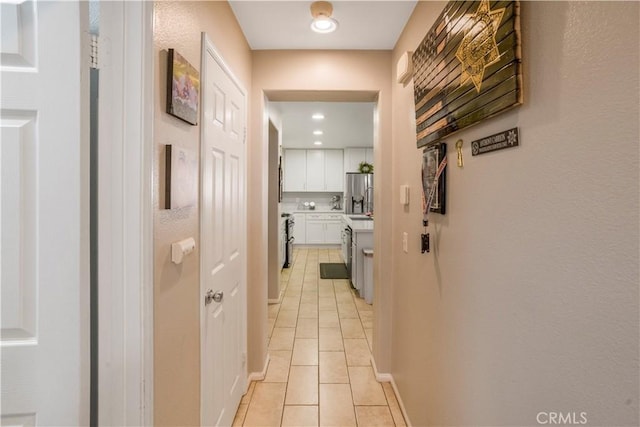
pixel 181 185
pixel 183 88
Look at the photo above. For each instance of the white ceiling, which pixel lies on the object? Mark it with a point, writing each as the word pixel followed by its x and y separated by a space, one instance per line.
pixel 363 25
pixel 346 124
pixel 285 24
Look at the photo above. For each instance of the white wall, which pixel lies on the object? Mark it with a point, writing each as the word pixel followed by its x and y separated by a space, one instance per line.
pixel 528 301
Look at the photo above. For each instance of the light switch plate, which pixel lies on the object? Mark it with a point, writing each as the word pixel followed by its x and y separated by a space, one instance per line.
pixel 404 195
pixel 405 243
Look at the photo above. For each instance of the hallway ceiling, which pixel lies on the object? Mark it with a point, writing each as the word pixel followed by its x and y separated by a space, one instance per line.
pixel 346 124
pixel 285 24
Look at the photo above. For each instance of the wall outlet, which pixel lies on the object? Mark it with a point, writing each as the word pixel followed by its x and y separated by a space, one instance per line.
pixel 405 243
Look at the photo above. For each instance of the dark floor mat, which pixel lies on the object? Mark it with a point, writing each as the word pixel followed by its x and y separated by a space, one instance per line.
pixel 333 271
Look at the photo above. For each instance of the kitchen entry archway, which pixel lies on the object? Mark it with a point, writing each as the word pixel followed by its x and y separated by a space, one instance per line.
pixel 382 304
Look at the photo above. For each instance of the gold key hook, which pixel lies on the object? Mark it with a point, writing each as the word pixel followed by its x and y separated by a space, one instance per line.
pixel 459 148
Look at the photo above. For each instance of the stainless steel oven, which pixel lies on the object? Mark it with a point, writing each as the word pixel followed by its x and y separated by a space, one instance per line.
pixel 289 239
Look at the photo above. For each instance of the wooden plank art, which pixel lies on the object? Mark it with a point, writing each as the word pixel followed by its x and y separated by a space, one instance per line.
pixel 467 68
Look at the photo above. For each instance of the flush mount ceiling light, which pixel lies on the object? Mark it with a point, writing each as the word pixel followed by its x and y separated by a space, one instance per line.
pixel 317 132
pixel 322 21
pixel 318 116
pixel 317 143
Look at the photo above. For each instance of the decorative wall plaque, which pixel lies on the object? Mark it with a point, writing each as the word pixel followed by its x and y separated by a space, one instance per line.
pixel 467 68
pixel 499 141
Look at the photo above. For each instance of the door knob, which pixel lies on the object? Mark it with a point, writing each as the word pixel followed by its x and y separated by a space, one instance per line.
pixel 213 296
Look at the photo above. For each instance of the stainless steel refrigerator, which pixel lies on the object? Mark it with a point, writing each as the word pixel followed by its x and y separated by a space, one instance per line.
pixel 358 195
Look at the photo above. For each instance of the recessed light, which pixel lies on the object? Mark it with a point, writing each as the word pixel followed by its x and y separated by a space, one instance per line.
pixel 322 22
pixel 324 25
pixel 318 116
pixel 317 143
pixel 317 132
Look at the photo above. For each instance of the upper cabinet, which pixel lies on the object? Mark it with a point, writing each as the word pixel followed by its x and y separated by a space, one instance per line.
pixel 353 157
pixel 333 171
pixel 313 170
pixel 295 170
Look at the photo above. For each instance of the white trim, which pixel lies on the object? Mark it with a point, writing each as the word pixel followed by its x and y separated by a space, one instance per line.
pixel 400 403
pixel 259 376
pixel 207 47
pixel 388 378
pixel 125 220
pixel 380 377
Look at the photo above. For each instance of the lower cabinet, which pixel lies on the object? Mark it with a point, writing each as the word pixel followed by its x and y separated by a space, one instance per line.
pixel 300 229
pixel 323 229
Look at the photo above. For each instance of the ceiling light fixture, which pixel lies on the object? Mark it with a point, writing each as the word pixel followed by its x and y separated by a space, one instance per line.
pixel 322 22
pixel 317 132
pixel 317 143
pixel 318 116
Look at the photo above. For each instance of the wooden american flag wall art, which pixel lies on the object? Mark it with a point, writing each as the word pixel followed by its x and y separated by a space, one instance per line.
pixel 467 68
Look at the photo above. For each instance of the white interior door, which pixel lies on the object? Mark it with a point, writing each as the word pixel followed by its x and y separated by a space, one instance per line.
pixel 44 338
pixel 223 231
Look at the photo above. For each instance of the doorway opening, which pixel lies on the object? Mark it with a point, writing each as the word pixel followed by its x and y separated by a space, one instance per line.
pixel 309 158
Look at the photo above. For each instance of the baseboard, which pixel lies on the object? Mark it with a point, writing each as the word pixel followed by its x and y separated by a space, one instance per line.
pixel 380 377
pixel 259 376
pixel 388 378
pixel 279 299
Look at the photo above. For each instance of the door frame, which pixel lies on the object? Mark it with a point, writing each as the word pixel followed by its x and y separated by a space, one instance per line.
pixel 207 47
pixel 125 219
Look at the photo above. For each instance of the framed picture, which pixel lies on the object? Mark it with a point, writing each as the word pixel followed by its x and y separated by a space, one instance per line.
pixel 183 88
pixel 434 187
pixel 181 168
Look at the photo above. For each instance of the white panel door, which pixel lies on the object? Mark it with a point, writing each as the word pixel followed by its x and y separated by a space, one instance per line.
pixel 223 231
pixel 315 170
pixel 334 170
pixel 44 337
pixel 295 170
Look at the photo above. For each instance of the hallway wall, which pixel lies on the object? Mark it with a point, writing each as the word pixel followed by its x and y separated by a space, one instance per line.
pixel 177 298
pixel 528 301
pixel 308 75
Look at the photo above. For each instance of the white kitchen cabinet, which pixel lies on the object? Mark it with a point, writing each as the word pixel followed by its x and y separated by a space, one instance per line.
pixel 324 229
pixel 315 231
pixel 368 155
pixel 299 228
pixel 315 170
pixel 333 232
pixel 333 170
pixel 353 157
pixel 295 170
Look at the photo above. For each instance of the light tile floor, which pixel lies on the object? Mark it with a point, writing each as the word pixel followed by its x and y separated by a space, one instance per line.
pixel 319 371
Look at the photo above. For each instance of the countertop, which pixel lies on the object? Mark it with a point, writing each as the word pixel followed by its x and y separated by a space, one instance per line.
pixel 358 226
pixel 329 211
